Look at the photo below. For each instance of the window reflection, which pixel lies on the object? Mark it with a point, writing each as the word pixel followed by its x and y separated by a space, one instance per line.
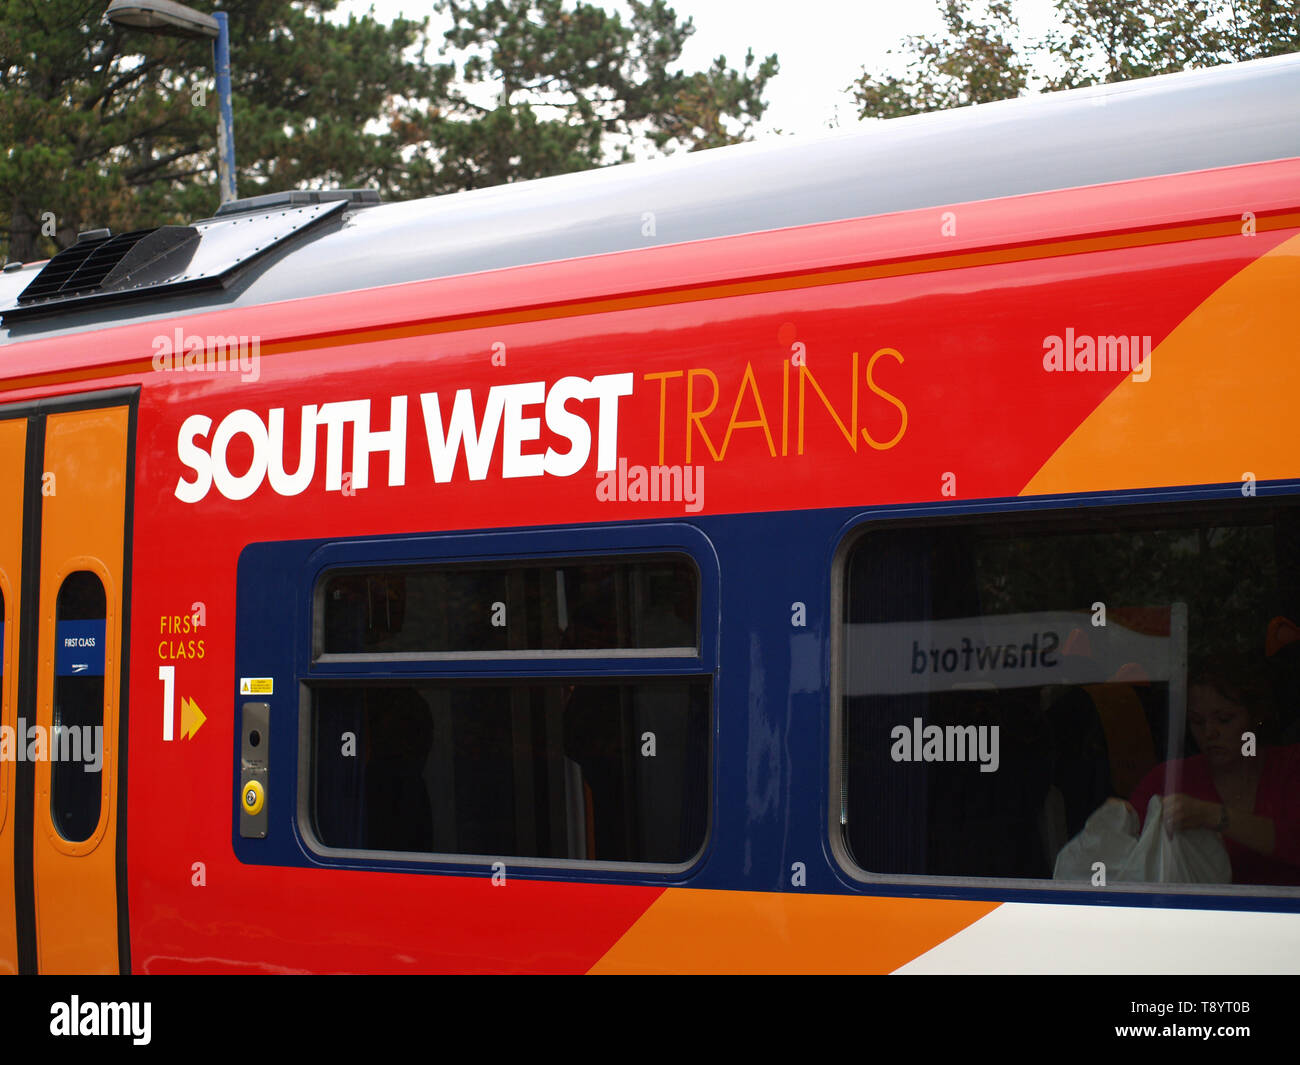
pixel 1006 682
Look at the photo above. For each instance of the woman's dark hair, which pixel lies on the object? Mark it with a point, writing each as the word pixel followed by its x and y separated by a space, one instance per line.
pixel 1239 678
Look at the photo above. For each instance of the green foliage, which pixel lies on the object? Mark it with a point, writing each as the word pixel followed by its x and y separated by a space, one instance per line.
pixel 1116 40
pixel 102 126
pixel 973 63
pixel 1260 28
pixel 575 89
pixel 1102 41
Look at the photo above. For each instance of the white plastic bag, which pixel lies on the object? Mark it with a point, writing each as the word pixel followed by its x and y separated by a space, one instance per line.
pixel 1195 856
pixel 1109 836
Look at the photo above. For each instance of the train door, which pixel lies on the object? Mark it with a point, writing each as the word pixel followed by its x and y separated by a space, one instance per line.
pixel 66 470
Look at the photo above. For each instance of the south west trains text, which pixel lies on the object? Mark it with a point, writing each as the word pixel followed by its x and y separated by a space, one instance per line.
pixel 203 449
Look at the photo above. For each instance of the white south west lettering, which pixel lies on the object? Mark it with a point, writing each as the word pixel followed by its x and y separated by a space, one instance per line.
pixel 203 449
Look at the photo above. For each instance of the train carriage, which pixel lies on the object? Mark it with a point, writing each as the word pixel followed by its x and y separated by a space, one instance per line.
pixel 784 557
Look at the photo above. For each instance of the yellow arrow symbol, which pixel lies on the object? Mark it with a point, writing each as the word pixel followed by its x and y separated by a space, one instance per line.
pixel 192 718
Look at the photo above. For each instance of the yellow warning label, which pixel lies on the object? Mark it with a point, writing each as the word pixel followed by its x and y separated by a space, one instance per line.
pixel 256 686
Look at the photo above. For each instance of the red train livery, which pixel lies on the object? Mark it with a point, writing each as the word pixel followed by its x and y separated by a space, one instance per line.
pixel 507 582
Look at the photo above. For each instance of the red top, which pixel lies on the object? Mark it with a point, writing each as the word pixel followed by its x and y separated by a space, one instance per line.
pixel 1277 797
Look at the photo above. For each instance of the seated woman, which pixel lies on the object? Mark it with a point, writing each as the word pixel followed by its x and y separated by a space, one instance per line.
pixel 1253 799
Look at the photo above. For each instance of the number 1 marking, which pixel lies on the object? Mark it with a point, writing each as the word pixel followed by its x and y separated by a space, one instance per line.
pixel 167 674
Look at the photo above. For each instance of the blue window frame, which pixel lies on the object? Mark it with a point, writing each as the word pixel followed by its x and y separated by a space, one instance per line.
pixel 543 697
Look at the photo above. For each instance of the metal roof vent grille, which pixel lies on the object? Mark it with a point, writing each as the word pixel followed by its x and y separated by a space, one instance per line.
pixel 71 270
pixel 97 264
pixel 101 269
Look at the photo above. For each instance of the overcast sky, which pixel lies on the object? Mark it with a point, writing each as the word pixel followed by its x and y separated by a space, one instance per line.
pixel 822 45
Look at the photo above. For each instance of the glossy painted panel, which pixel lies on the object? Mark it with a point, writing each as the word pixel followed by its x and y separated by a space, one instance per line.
pixel 82 529
pixel 13 457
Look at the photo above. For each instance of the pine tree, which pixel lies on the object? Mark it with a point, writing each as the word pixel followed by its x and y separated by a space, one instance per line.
pixel 540 88
pixel 101 126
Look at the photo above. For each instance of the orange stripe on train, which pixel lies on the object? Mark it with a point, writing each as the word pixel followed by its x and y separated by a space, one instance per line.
pixel 1219 403
pixel 690 930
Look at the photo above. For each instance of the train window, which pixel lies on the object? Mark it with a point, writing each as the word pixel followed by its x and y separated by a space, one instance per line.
pixel 584 769
pixel 557 606
pixel 77 741
pixel 1003 681
pixel 539 709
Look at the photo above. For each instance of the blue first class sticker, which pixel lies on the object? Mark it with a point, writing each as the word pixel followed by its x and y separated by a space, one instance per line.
pixel 79 648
